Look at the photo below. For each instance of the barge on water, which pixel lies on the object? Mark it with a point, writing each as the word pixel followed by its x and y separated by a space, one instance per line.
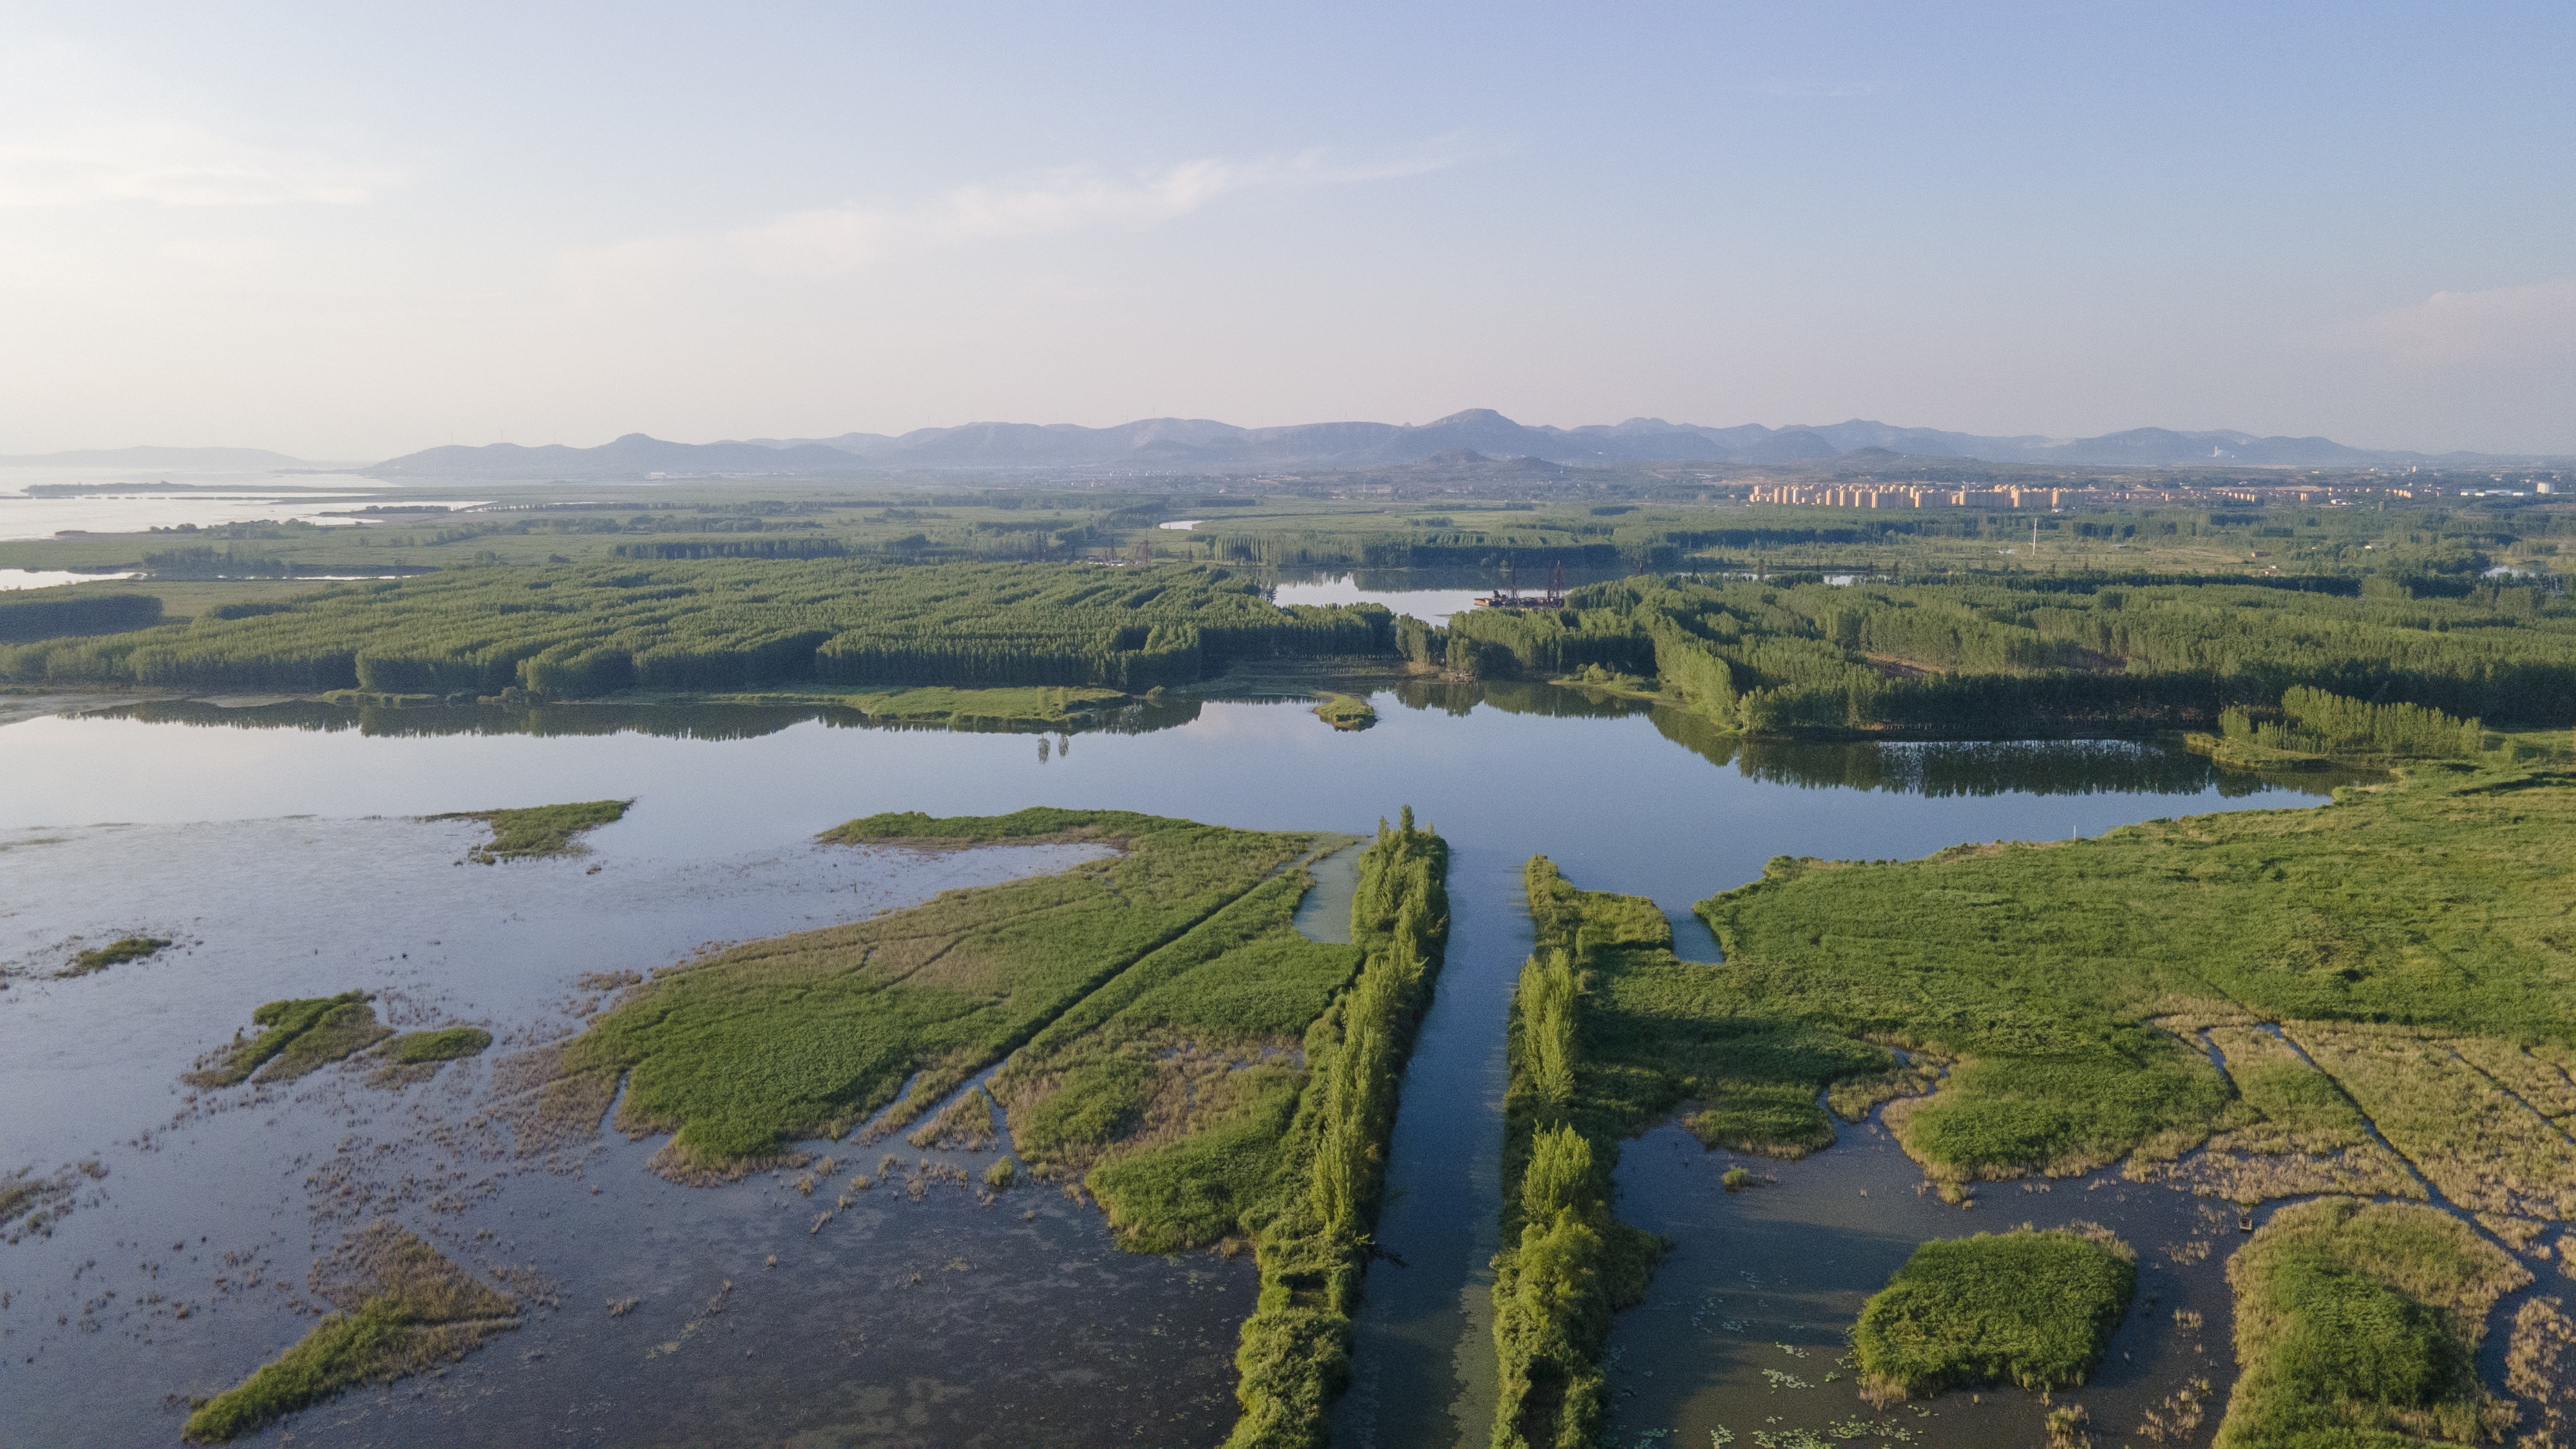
pixel 1510 597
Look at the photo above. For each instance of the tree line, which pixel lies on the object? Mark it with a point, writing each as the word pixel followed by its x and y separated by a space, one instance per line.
pixel 581 631
pixel 2002 655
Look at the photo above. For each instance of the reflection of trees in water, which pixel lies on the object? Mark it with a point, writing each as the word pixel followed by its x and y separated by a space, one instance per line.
pixel 2030 767
pixel 1511 696
pixel 669 721
pixel 1935 769
pixel 1981 767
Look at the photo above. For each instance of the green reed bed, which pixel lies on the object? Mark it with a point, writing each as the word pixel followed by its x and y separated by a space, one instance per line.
pixel 302 1035
pixel 401 1308
pixel 2358 1324
pixel 2029 1307
pixel 2438 899
pixel 114 953
pixel 809 1034
pixel 1172 1087
pixel 1313 1238
pixel 539 831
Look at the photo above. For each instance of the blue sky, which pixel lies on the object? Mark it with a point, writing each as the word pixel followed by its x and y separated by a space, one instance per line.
pixel 351 236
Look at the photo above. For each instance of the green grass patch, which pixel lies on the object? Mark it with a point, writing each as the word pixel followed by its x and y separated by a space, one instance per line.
pixel 540 830
pixel 446 1044
pixel 1055 706
pixel 2437 899
pixel 302 1034
pixel 402 1308
pixel 131 948
pixel 2358 1323
pixel 2034 1308
pixel 809 1034
pixel 1346 712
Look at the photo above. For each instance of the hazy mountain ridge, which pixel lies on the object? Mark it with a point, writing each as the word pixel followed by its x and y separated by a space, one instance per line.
pixel 154 458
pixel 1186 445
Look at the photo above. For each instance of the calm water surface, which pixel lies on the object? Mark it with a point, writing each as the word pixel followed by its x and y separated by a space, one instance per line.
pixel 941 1321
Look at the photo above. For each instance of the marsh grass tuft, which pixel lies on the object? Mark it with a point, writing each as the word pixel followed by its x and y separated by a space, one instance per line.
pixel 2356 1322
pixel 303 1035
pixel 539 831
pixel 416 1056
pixel 1346 712
pixel 401 1308
pixel 2030 1307
pixel 131 948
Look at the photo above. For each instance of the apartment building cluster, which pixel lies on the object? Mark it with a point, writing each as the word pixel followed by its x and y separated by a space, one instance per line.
pixel 1909 495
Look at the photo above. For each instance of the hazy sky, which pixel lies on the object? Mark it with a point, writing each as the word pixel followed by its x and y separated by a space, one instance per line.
pixel 346 234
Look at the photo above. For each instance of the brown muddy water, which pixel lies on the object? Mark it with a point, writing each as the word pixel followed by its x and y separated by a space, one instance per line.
pixel 281 849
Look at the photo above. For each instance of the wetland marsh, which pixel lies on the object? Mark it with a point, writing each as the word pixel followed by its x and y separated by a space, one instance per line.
pixel 920 1311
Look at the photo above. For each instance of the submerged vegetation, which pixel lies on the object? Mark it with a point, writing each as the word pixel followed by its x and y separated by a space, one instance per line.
pixel 2437 900
pixel 303 1035
pixel 2359 1324
pixel 539 831
pixel 2034 1308
pixel 401 1308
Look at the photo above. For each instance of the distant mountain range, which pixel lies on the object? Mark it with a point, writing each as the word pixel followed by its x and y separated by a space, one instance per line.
pixel 1198 446
pixel 225 459
pixel 1190 445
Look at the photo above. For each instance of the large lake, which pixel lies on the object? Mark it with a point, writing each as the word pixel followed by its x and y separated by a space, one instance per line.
pixel 281 846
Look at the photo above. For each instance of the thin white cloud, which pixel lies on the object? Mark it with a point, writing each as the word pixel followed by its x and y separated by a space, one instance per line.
pixel 2528 323
pixel 840 240
pixel 76 133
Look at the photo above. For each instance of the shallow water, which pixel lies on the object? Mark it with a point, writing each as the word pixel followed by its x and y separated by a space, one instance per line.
pixel 212 499
pixel 1745 1319
pixel 1048 1334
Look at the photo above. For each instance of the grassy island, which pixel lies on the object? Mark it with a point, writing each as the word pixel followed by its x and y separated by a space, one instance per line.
pixel 114 953
pixel 302 1036
pixel 402 1308
pixel 1164 1034
pixel 1346 712
pixel 2358 1323
pixel 539 831
pixel 2034 1308
pixel 838 1019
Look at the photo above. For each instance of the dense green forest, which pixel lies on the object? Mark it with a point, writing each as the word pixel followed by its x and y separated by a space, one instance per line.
pixel 582 631
pixel 44 615
pixel 2008 654
pixel 1942 654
